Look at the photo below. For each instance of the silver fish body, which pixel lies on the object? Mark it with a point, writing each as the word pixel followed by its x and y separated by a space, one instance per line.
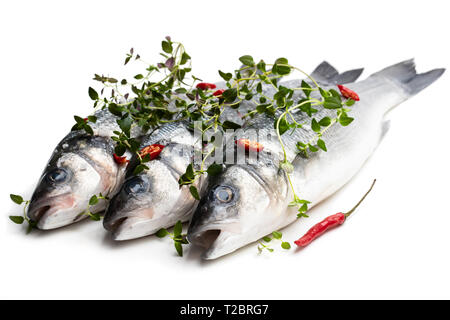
pixel 81 166
pixel 248 201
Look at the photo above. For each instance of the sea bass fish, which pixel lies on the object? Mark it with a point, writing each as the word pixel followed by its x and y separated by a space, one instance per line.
pixel 153 199
pixel 81 166
pixel 248 201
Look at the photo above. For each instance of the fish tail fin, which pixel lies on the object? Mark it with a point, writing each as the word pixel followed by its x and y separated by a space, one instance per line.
pixel 404 74
pixel 325 73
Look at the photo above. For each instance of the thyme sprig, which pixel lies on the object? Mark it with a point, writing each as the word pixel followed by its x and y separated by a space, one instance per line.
pixel 276 235
pixel 17 199
pixel 177 236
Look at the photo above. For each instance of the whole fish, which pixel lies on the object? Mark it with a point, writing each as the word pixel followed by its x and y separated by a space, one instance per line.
pixel 153 199
pixel 248 201
pixel 81 166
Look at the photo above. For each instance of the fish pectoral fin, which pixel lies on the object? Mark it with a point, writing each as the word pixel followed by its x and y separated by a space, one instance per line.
pixel 385 126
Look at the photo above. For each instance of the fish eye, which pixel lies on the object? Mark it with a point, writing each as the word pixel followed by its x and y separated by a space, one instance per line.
pixel 57 175
pixel 223 194
pixel 135 185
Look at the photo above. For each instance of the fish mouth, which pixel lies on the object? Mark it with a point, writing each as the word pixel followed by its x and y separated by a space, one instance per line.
pixel 114 226
pixel 135 224
pixel 204 238
pixel 217 239
pixel 39 213
pixel 55 208
pixel 209 238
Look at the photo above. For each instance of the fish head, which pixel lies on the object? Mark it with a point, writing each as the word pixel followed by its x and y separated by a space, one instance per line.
pixel 240 205
pixel 152 199
pixel 72 176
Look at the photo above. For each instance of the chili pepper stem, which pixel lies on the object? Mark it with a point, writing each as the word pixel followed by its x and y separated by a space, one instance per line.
pixel 362 199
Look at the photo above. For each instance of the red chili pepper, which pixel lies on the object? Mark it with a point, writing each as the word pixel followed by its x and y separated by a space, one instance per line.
pixel 205 86
pixel 328 223
pixel 249 145
pixel 153 150
pixel 347 93
pixel 120 160
pixel 85 119
pixel 218 92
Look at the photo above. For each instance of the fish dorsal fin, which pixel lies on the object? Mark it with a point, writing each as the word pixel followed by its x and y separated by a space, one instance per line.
pixel 326 74
pixel 348 76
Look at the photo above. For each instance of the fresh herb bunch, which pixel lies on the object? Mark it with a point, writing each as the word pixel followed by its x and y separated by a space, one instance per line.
pixel 174 97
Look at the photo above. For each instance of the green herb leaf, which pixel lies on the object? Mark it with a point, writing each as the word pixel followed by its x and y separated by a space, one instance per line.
pixel 194 192
pixel 16 198
pixel 225 76
pixel 324 93
pixel 179 248
pixel 214 169
pixel 139 76
pixel 230 125
pixel 345 120
pixel 139 168
pixel 125 125
pixel 93 200
pixel 281 66
pixel 247 60
pixel 115 109
pixel 332 103
pixel 88 129
pixel 321 145
pixel 95 216
pixel 162 233
pixel 283 125
pixel 312 148
pixel 286 245
pixel 267 239
pixel 315 125
pixel 261 66
pixel 17 219
pixel 177 229
pixel 277 235
pixel 325 122
pixel 349 102
pixel 31 225
pixel 93 94
pixel 120 149
pixel 167 47
pixel 184 58
pixel 230 95
pixel 306 88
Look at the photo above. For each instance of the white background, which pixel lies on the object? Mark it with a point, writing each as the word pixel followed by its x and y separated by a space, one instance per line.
pixel 395 246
